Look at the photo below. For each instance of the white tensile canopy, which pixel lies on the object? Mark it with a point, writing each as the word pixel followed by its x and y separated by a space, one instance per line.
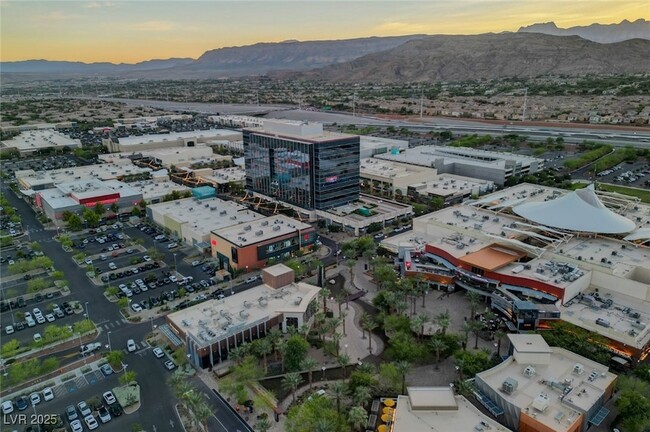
pixel 580 210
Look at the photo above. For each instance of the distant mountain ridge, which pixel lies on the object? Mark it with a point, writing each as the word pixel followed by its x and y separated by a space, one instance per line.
pixel 49 66
pixel 488 56
pixel 602 33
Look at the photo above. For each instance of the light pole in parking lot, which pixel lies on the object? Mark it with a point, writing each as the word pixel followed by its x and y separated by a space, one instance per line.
pixel 83 354
pixel 87 313
pixel 110 347
pixel 175 269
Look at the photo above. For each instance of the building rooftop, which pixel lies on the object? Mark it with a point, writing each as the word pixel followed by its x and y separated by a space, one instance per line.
pixel 213 320
pixel 37 139
pixel 151 189
pixel 444 185
pixel 225 175
pixel 175 136
pixel 379 145
pixel 297 130
pixel 437 409
pixel 554 391
pixel 69 193
pixel 529 343
pixel 251 232
pixel 426 155
pixel 207 214
pixel 31 178
pixel 624 320
pixel 378 169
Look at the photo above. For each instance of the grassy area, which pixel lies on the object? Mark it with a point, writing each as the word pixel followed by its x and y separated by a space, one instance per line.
pixel 642 194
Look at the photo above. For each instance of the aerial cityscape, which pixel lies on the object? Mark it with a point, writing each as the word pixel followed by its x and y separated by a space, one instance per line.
pixel 327 216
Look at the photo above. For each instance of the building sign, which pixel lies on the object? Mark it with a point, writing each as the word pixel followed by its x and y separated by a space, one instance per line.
pixel 102 202
pixel 332 179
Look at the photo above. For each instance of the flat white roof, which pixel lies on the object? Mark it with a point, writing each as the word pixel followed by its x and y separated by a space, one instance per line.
pixel 444 185
pixel 373 142
pixel 225 175
pixel 151 189
pixel 61 195
pixel 388 170
pixel 540 386
pixel 529 343
pixel 174 136
pixel 38 139
pixel 214 320
pixel 426 155
pixel 252 232
pixel 297 130
pixel 462 417
pixel 207 214
pixel 107 171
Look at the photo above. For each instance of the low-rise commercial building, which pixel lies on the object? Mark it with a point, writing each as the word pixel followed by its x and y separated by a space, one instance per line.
pixel 487 165
pixel 31 141
pixel 540 254
pixel 389 178
pixel 135 144
pixel 191 220
pixel 30 180
pixel 78 195
pixel 452 189
pixel 426 409
pixel 371 145
pixel 154 191
pixel 212 328
pixel 253 244
pixel 545 389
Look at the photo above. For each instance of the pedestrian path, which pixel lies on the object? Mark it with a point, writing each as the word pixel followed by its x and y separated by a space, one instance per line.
pixel 112 325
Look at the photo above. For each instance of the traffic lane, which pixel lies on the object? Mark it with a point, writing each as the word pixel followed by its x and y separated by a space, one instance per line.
pixel 120 261
pixel 223 418
pixel 26 335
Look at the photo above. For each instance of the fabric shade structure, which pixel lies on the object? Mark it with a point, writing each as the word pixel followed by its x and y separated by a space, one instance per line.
pixel 389 402
pixel 382 428
pixel 580 210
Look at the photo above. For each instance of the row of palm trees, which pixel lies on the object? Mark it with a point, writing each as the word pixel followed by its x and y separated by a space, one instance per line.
pixel 192 399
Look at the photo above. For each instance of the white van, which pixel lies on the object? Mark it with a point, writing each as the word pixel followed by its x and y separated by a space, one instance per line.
pixel 30 321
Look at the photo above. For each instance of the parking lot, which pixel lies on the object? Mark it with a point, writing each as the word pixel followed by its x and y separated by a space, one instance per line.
pixel 627 174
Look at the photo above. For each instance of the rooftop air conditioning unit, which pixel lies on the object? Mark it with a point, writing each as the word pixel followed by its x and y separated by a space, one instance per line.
pixel 529 371
pixel 578 369
pixel 509 386
pixel 297 301
pixel 247 228
pixel 259 233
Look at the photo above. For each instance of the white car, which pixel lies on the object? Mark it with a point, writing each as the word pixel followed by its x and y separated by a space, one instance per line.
pixel 37 337
pixel 109 397
pixel 91 422
pixel 9 329
pixel 35 398
pixel 7 407
pixel 48 394
pixel 88 261
pixel 173 278
pixel 112 266
pixel 130 345
pixel 147 258
pixel 76 426
pixel 40 319
pixel 50 318
pixel 158 352
pixel 136 307
pixel 84 409
pixel 172 245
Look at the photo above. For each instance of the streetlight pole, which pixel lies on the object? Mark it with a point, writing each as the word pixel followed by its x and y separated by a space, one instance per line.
pixel 110 347
pixel 175 268
pixel 87 313
pixel 81 348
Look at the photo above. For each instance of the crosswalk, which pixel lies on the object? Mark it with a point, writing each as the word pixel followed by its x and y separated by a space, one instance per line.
pixel 112 325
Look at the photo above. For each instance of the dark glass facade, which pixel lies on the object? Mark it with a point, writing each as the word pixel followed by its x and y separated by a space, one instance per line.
pixel 311 175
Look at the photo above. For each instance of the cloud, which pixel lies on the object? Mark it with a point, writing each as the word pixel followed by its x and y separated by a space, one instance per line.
pixel 57 16
pixel 154 26
pixel 97 5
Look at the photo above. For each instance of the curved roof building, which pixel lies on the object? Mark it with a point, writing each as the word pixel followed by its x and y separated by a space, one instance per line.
pixel 580 210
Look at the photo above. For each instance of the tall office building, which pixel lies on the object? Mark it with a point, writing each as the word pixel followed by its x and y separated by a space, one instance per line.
pixel 300 164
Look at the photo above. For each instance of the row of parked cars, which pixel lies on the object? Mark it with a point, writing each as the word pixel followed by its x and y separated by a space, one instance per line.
pixel 36 316
pixel 148 265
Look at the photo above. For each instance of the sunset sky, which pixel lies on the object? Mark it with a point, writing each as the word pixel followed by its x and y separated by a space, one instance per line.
pixel 132 31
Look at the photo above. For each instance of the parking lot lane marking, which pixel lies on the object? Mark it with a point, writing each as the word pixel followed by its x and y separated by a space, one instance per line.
pixel 91 378
pixel 70 386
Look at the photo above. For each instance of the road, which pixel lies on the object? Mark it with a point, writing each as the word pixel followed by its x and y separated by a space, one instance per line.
pixel 157 411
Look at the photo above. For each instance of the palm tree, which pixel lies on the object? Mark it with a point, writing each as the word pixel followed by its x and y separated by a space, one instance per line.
pixel 403 367
pixel 309 364
pixel 291 381
pixel 444 321
pixel 336 338
pixel 324 425
pixel 238 353
pixel 476 327
pixel 339 388
pixel 474 301
pixel 369 324
pixel 342 317
pixel 499 335
pixel 274 335
pixel 422 285
pixel 460 367
pixel 264 348
pixel 437 345
pixel 334 323
pixel 357 417
pixel 367 368
pixel 264 424
pixel 324 293
pixel 466 331
pixel 339 301
pixel 304 330
pixel 115 208
pixel 350 262
pixel 281 348
pixel 362 395
pixel 343 361
pixel 202 412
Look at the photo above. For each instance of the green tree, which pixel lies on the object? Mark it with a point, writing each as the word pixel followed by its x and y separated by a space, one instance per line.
pixel 437 345
pixel 339 390
pixel 115 208
pixel 99 209
pixel 127 377
pixel 74 222
pixel 297 349
pixel 90 217
pixel 403 368
pixel 291 381
pixel 115 358
pixel 474 301
pixel 309 364
pixel 263 347
pixel 357 417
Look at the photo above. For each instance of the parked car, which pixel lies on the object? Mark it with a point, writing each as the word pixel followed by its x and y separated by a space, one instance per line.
pixel 48 394
pixel 84 409
pixel 104 415
pixel 130 345
pixel 106 369
pixel 109 397
pixel 158 352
